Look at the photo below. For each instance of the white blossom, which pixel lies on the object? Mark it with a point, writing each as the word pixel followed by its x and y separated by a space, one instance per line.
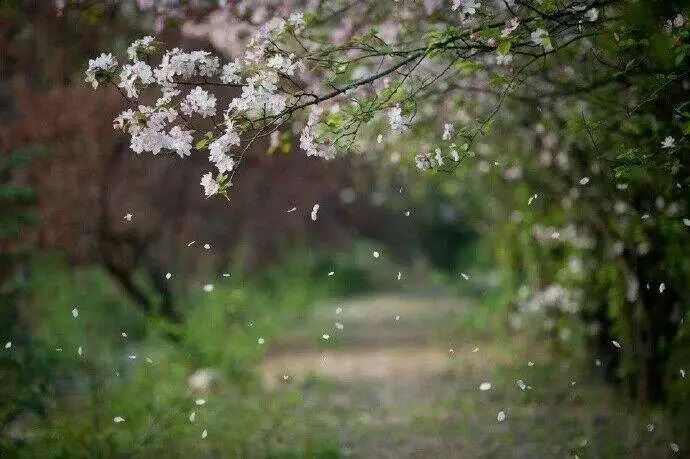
pixel 199 101
pixel 209 184
pixel 139 72
pixel 447 131
pixel 504 59
pixel 219 149
pixel 99 66
pixel 309 141
pixel 466 7
pixel 423 161
pixel 679 20
pixel 454 153
pixel 138 47
pixel 510 26
pixel 180 141
pixel 297 21
pixel 231 72
pixel 284 64
pixel 592 14
pixel 395 120
pixel 668 142
pixel 541 37
pixel 186 65
pixel 438 156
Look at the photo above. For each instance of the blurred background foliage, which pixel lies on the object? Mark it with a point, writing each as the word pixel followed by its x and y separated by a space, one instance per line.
pixel 575 264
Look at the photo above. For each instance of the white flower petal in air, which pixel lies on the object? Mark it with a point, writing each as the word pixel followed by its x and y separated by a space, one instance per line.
pixel 204 434
pixel 128 217
pixel 8 344
pixel 208 288
pixel 686 221
pixel 485 386
pixel 674 447
pixel 260 341
pixel 200 401
pixel 118 419
pixel 75 312
pixel 314 211
pixel 168 275
pixel 325 336
pixel 616 344
pixel 376 254
pixel 662 287
pixel 501 416
pixel 584 180
pixel 192 416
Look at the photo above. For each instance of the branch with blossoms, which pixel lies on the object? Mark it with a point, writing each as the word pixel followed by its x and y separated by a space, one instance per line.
pixel 191 101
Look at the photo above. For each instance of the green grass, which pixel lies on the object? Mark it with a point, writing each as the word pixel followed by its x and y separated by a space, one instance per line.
pixel 150 390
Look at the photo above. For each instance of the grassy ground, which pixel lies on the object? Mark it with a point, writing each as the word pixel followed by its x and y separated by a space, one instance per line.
pixel 402 377
pixel 397 377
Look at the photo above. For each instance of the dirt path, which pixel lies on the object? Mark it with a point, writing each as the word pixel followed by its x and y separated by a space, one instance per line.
pixel 399 378
pixel 382 339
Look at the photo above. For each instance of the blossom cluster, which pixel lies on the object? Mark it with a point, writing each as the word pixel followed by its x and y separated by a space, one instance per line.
pixel 207 104
pixel 169 122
